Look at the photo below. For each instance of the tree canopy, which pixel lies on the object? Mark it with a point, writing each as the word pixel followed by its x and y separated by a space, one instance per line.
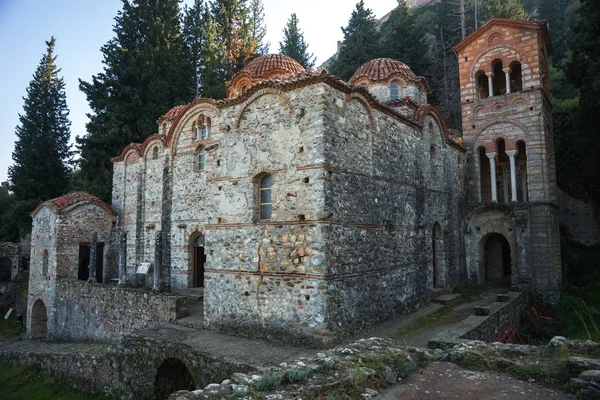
pixel 293 43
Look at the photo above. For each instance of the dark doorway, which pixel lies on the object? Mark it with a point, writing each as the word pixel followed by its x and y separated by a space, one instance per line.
pixel 497 259
pixel 84 261
pixel 5 267
pixel 198 260
pixel 172 375
pixel 39 320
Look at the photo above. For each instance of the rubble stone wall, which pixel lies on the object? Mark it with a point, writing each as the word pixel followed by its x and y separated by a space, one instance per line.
pixel 84 311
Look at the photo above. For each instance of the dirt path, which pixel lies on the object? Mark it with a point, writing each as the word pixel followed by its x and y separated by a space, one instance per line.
pixel 441 380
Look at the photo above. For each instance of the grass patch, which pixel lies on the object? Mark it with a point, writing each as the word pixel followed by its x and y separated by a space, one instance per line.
pixel 431 318
pixel 28 383
pixel 10 327
pixel 470 292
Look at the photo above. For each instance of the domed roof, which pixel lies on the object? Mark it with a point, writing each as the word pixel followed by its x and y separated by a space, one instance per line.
pixel 262 65
pixel 382 69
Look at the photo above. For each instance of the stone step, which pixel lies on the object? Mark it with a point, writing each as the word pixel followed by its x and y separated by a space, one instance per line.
pixel 447 299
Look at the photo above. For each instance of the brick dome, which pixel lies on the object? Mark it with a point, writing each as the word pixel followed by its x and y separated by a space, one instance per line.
pixel 262 65
pixel 382 69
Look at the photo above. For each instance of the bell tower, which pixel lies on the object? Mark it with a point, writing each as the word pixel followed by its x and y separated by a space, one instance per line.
pixel 510 171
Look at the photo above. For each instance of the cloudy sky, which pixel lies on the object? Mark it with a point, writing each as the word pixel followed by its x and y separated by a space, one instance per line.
pixel 81 27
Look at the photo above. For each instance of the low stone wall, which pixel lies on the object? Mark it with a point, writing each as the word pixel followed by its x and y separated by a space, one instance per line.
pixel 88 311
pixel 488 322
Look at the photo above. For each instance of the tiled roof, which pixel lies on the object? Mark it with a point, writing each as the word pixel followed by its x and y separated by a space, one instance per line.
pixel 381 69
pixel 60 203
pixel 172 113
pixel 263 64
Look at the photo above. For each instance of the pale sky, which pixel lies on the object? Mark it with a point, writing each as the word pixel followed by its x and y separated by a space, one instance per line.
pixel 81 27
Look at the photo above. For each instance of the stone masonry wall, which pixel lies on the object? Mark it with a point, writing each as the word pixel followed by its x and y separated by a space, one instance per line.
pixel 87 311
pixel 389 181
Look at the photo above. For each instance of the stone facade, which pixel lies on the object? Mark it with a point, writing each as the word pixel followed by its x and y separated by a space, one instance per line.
pixel 510 170
pixel 305 208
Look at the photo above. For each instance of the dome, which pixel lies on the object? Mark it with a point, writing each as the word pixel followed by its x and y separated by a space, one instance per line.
pixel 382 69
pixel 263 65
pixel 261 68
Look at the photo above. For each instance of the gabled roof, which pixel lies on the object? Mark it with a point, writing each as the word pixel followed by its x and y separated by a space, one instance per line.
pixel 541 26
pixel 71 200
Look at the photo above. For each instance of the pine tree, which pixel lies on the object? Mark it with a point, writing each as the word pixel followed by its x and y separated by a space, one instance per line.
pixel 511 9
pixel 404 40
pixel 234 32
pixel 147 70
pixel 258 27
pixel 361 43
pixel 42 151
pixel 293 43
pixel 213 70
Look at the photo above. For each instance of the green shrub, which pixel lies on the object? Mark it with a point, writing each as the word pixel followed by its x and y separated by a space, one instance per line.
pixel 268 380
pixel 299 374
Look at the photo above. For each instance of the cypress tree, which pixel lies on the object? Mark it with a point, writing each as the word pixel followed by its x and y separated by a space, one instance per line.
pixel 42 151
pixel 293 43
pixel 361 43
pixel 258 27
pixel 147 70
pixel 193 35
pixel 404 40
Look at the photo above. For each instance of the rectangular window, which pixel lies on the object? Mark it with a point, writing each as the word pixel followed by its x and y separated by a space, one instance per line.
pixel 265 198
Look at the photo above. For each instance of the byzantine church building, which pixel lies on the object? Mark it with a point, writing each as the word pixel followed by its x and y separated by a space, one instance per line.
pixel 305 208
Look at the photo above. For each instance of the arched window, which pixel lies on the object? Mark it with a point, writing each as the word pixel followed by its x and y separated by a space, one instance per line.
pixel 499 80
pixel 164 128
pixel 264 198
pixel 45 263
pixel 521 161
pixel 202 128
pixel 155 153
pixel 484 176
pixel 482 85
pixel 516 77
pixel 395 91
pixel 502 172
pixel 201 159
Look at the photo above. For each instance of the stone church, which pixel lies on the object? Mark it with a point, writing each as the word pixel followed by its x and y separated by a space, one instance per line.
pixel 305 208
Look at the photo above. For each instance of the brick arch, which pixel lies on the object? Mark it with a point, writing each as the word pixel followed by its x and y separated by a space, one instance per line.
pixel 184 118
pixel 426 110
pixel 494 53
pixel 149 141
pixel 124 153
pixel 259 173
pixel 184 115
pixel 255 96
pixel 502 121
pixel 365 103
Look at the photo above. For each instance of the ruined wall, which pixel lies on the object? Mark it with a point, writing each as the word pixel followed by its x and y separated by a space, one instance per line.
pixel 9 264
pixel 89 311
pixel 76 226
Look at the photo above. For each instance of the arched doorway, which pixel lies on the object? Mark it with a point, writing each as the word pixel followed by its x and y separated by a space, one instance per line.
pixel 172 375
pixel 5 267
pixel 39 320
pixel 497 259
pixel 198 260
pixel 437 255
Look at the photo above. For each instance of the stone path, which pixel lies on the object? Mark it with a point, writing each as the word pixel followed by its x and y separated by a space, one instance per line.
pixel 254 352
pixel 441 380
pixel 420 336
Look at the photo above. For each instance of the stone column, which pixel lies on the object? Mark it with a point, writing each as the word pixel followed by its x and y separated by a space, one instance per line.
pixel 157 261
pixel 513 174
pixel 490 76
pixel 505 174
pixel 491 157
pixel 92 267
pixel 122 258
pixel 507 72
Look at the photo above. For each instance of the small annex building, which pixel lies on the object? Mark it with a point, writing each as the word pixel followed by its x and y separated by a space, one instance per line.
pixel 305 208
